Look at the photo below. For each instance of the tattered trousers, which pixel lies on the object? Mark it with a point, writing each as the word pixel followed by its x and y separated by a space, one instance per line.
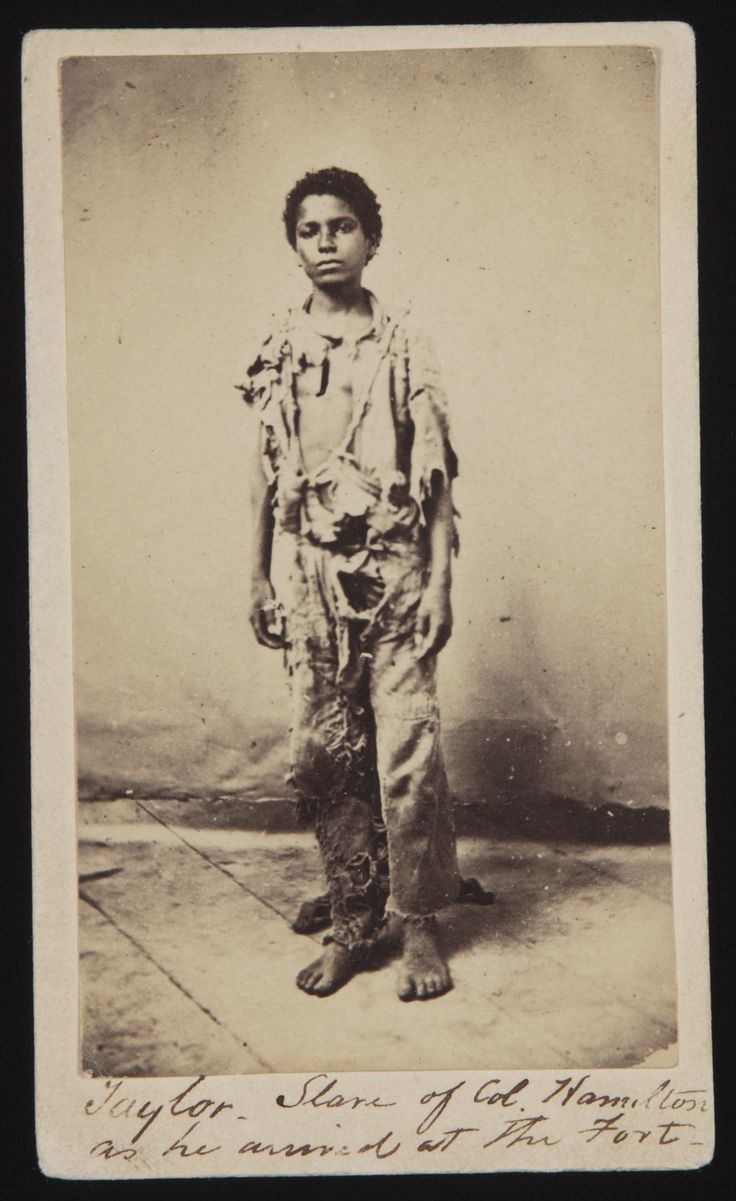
pixel 365 718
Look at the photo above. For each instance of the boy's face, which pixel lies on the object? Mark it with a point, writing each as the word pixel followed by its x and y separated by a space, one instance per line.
pixel 330 242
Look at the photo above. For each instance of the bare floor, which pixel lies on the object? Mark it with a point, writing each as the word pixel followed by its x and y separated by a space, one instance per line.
pixel 188 962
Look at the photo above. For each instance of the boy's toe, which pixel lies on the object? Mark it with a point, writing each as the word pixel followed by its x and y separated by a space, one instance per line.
pixel 406 988
pixel 308 979
pixel 323 985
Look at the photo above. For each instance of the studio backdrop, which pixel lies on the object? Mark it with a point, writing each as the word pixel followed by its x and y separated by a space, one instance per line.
pixel 519 196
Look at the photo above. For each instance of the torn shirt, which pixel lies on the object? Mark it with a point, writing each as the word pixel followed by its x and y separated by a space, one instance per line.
pixel 376 483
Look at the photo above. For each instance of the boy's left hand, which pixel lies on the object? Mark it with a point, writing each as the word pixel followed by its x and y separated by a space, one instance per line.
pixel 434 621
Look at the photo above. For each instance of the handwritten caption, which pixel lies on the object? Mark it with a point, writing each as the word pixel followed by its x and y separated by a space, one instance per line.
pixel 496 1116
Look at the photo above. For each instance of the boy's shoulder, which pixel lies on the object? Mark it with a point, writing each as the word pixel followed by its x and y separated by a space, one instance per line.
pixel 265 357
pixel 408 335
pixel 407 318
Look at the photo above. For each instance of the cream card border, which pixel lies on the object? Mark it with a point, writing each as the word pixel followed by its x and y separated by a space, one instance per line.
pixel 65 1132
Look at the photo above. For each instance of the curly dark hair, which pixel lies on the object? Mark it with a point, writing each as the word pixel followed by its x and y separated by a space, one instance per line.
pixel 347 186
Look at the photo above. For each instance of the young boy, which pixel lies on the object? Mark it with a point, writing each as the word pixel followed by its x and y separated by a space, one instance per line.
pixel 354 470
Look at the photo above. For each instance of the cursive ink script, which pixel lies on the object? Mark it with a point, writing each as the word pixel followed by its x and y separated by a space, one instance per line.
pixel 115 1104
pixel 318 1094
pixel 196 1126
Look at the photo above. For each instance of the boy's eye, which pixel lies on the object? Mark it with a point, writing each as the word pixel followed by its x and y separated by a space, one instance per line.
pixel 307 231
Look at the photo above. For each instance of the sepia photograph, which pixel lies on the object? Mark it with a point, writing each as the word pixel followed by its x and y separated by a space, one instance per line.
pixel 432 278
pixel 368 567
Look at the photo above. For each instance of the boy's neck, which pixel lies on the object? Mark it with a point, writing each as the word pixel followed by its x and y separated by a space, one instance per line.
pixel 329 302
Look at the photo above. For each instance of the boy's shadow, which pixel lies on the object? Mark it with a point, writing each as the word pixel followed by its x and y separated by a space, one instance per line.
pixel 531 887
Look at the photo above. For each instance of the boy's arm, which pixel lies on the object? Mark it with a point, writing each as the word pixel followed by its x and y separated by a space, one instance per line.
pixel 434 618
pixel 263 604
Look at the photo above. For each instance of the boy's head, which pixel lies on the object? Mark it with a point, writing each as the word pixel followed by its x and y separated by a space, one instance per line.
pixel 347 186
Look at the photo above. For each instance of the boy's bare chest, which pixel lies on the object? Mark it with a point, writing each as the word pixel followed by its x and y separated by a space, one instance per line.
pixel 325 396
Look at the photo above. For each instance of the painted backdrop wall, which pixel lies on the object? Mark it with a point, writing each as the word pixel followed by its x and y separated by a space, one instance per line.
pixel 519 193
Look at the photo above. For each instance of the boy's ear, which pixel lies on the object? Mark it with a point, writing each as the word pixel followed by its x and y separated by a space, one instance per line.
pixel 372 248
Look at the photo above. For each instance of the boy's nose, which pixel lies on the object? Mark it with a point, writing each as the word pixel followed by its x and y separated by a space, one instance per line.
pixel 326 240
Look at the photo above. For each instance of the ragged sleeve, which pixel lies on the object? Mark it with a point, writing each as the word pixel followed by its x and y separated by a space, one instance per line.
pixel 432 454
pixel 263 367
pixel 261 390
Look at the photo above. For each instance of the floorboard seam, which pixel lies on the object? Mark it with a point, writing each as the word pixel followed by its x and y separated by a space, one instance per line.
pixel 220 867
pixel 609 874
pixel 589 980
pixel 597 869
pixel 89 900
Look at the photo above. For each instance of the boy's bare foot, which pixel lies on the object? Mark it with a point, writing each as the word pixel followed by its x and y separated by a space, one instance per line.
pixel 325 975
pixel 424 973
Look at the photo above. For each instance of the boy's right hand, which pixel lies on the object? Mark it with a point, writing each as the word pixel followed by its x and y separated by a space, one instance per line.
pixel 266 616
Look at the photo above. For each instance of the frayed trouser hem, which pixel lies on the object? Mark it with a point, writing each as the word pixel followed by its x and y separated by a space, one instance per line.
pixel 361 946
pixel 445 902
pixel 359 951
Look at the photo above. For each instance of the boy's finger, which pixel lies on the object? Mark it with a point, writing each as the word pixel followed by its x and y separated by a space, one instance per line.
pixel 264 634
pixel 426 644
